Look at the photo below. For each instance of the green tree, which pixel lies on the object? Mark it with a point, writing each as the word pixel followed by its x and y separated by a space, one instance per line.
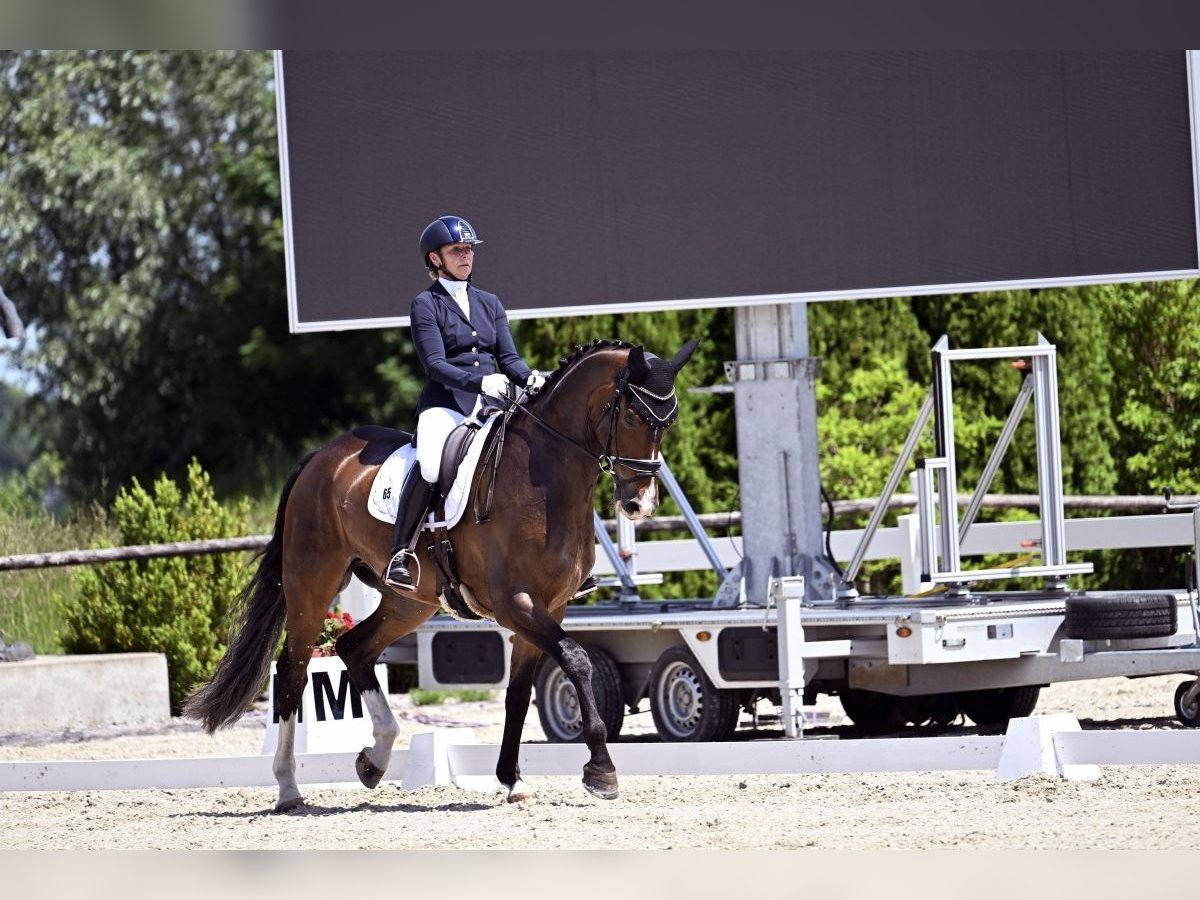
pixel 141 237
pixel 1153 343
pixel 1071 319
pixel 874 368
pixel 16 441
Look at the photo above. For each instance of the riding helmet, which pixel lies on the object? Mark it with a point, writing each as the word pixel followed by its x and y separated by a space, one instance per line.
pixel 446 230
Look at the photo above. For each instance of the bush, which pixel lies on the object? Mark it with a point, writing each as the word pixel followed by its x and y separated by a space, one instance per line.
pixel 178 606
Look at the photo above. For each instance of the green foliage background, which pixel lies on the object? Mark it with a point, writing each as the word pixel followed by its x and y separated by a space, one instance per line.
pixel 141 238
pixel 178 606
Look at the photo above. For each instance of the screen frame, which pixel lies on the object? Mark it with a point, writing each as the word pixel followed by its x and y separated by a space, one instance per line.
pixel 296 326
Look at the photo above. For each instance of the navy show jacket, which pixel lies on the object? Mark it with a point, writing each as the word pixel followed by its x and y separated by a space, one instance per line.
pixel 456 353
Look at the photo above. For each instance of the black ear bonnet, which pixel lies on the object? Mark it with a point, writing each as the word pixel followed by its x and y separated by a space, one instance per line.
pixel 651 393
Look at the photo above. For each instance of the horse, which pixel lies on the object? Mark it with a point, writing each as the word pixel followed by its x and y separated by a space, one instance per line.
pixel 605 409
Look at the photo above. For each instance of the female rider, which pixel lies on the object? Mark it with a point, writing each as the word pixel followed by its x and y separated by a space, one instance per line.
pixel 461 336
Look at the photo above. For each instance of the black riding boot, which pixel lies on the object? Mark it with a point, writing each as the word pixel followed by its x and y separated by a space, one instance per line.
pixel 414 504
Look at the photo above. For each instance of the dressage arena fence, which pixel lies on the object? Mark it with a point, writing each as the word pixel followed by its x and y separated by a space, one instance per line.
pixel 718 520
pixel 1053 745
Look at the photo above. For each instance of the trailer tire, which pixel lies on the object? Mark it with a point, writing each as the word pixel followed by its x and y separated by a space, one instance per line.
pixel 686 705
pixel 871 709
pixel 996 706
pixel 1121 616
pixel 558 704
pixel 1188 713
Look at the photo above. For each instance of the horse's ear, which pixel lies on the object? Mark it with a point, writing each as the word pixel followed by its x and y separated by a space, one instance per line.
pixel 684 354
pixel 638 367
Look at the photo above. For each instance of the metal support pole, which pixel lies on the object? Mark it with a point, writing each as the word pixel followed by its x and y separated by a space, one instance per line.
pixel 926 534
pixel 628 588
pixel 943 429
pixel 788 596
pixel 1194 593
pixel 889 489
pixel 689 516
pixel 1049 461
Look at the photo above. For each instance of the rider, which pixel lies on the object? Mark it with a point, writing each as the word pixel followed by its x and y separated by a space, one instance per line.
pixel 461 336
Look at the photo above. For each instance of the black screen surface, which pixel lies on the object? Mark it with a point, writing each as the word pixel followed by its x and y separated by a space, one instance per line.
pixel 612 181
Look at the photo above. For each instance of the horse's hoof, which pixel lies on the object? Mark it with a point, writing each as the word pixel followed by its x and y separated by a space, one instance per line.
pixel 289 803
pixel 368 773
pixel 599 783
pixel 522 793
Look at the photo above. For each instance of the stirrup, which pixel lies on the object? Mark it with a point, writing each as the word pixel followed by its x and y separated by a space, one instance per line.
pixel 397 575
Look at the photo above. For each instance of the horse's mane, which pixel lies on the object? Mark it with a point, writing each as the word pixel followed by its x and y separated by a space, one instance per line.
pixel 581 351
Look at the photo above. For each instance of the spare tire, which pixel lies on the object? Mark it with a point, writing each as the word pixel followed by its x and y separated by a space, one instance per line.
pixel 1115 616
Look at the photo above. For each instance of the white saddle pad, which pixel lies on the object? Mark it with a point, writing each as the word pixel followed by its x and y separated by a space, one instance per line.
pixel 384 500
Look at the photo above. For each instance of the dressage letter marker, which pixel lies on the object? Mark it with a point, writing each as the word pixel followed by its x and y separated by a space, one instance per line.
pixel 332 718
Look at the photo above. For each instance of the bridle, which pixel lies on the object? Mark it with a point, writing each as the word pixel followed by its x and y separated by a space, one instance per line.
pixel 610 459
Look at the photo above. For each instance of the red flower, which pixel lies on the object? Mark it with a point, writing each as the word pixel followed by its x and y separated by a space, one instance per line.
pixel 348 619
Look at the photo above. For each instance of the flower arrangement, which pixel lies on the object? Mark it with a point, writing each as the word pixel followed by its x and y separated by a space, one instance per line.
pixel 335 625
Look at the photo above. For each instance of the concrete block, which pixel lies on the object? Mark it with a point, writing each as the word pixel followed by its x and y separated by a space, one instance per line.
pixel 69 693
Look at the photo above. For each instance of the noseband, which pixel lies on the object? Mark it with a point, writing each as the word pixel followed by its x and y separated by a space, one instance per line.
pixel 642 401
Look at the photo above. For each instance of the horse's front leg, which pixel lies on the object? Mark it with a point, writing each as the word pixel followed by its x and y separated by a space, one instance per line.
pixel 359 649
pixel 524 662
pixel 536 625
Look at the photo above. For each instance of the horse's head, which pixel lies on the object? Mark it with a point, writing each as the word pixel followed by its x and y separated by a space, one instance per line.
pixel 632 423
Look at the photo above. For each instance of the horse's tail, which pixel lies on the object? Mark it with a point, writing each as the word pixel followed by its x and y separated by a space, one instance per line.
pixel 243 670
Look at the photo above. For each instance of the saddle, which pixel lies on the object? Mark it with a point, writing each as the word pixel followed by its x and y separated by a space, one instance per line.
pixel 458 443
pixel 456 598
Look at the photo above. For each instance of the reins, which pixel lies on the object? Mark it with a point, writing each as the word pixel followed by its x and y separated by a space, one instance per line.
pixel 608 461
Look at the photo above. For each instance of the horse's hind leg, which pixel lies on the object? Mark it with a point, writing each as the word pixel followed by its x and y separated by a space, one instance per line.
pixel 291 677
pixel 536 625
pixel 304 621
pixel 359 648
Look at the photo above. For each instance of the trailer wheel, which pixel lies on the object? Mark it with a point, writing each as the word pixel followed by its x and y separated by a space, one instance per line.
pixel 1188 712
pixel 684 702
pixel 871 709
pixel 558 704
pixel 1121 616
pixel 997 705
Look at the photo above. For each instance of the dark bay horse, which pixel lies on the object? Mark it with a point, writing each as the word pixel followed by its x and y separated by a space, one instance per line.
pixel 605 408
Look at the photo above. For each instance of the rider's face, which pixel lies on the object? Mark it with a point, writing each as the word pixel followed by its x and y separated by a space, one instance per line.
pixel 456 260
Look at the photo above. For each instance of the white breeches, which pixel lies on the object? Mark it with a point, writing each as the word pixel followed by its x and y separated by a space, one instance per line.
pixel 433 427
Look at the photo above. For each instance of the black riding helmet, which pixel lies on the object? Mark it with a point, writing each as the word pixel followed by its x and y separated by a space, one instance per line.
pixel 446 230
